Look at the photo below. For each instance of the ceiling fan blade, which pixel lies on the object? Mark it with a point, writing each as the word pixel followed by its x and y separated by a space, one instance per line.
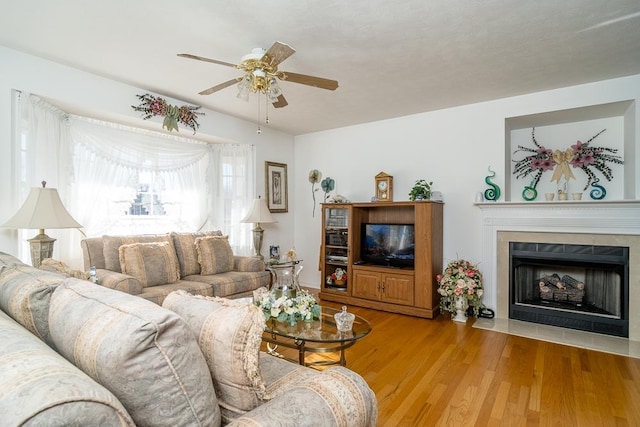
pixel 310 80
pixel 200 58
pixel 220 86
pixel 281 102
pixel 277 53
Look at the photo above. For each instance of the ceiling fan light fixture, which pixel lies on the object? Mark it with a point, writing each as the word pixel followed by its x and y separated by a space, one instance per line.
pixel 273 90
pixel 244 87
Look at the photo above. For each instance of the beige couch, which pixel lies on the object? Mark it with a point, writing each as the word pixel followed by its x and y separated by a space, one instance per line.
pixel 77 354
pixel 152 266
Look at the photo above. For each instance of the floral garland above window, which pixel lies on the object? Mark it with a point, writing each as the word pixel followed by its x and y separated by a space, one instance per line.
pixel 155 106
pixel 581 155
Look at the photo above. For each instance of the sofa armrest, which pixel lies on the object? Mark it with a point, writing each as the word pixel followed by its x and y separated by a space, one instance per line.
pixel 338 397
pixel 118 281
pixel 246 264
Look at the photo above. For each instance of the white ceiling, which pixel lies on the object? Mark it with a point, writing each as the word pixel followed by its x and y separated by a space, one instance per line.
pixel 391 57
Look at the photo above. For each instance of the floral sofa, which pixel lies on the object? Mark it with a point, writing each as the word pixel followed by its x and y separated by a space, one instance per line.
pixel 152 266
pixel 74 353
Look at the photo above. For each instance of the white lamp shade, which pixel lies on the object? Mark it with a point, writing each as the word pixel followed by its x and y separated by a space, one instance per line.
pixel 42 209
pixel 259 213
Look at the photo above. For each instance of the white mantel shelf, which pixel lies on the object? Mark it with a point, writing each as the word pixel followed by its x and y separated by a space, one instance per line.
pixel 594 203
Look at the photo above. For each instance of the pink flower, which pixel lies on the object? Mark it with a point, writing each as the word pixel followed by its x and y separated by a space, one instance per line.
pixel 577 147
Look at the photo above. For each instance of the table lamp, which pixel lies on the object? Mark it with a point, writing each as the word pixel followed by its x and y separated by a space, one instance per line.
pixel 259 213
pixel 42 209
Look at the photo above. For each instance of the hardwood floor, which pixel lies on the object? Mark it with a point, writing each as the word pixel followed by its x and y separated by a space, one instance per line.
pixel 441 373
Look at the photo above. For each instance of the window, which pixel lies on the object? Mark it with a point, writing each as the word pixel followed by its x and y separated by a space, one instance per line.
pixel 121 180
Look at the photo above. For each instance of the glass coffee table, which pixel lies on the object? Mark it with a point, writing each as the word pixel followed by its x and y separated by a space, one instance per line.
pixel 318 336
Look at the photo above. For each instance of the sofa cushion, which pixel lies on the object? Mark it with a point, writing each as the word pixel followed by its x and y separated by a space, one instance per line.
pixel 157 294
pixel 151 263
pixel 232 282
pixel 185 244
pixel 229 334
pixel 25 294
pixel 111 247
pixel 145 355
pixel 40 388
pixel 214 254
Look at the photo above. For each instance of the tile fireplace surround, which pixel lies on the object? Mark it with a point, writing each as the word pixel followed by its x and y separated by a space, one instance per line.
pixel 615 223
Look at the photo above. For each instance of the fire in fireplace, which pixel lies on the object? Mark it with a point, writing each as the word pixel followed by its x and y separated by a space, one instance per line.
pixel 581 287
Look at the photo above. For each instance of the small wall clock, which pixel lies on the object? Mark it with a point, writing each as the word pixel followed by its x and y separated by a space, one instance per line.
pixel 384 187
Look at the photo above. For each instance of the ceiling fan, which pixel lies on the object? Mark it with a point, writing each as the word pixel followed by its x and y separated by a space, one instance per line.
pixel 261 74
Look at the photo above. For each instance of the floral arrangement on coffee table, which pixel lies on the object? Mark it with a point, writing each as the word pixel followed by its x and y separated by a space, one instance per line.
pixel 156 106
pixel 463 279
pixel 284 309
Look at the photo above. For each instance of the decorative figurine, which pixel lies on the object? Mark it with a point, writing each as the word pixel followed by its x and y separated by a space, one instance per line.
pixel 598 192
pixel 530 193
pixel 493 193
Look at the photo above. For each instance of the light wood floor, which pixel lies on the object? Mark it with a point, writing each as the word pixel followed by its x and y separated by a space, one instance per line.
pixel 441 373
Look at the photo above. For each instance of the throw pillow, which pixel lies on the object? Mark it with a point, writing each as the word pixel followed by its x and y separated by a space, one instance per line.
pixel 151 263
pixel 214 255
pixel 185 244
pixel 229 334
pixel 111 247
pixel 145 355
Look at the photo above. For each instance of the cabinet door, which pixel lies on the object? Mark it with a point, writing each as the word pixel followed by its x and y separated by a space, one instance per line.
pixel 366 285
pixel 397 289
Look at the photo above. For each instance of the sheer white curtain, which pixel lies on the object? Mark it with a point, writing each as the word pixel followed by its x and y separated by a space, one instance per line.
pixel 42 154
pixel 101 167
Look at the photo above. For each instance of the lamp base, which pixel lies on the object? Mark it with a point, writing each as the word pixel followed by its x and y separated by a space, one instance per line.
pixel 257 241
pixel 41 248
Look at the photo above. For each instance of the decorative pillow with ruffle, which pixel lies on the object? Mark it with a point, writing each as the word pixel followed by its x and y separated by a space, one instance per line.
pixel 214 255
pixel 229 334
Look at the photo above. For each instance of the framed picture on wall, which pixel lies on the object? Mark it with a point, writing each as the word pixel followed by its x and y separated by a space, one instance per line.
pixel 276 187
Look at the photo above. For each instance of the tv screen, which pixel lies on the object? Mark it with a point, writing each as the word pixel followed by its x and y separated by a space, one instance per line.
pixel 388 244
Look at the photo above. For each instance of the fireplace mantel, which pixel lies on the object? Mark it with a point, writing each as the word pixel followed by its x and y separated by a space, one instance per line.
pixel 579 221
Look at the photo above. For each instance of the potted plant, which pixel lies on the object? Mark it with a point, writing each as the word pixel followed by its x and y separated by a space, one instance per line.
pixel 460 288
pixel 421 190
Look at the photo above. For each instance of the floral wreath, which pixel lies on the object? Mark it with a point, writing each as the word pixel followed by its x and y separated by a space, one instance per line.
pixel 155 106
pixel 581 155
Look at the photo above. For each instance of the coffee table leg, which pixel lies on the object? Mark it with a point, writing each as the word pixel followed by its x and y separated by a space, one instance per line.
pixel 300 344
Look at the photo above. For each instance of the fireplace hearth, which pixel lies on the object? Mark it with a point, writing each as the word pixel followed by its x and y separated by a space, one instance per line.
pixel 584 287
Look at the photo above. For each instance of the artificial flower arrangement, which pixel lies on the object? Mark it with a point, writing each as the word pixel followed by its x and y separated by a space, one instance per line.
pixel 581 156
pixel 461 278
pixel 339 277
pixel 285 309
pixel 155 106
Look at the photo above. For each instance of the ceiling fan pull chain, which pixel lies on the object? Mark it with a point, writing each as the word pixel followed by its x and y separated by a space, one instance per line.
pixel 259 131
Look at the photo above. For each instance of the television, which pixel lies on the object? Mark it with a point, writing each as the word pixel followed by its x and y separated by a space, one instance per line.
pixel 390 245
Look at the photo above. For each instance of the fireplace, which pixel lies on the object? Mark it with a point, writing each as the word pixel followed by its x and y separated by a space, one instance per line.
pixel 601 223
pixel 584 287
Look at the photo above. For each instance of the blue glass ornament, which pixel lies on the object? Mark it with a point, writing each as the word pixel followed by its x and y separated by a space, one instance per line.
pixel 598 192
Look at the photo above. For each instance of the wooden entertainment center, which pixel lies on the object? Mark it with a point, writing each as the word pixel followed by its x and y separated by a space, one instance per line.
pixel 398 289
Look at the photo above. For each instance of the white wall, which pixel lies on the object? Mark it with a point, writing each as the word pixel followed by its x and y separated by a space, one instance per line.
pixel 452 147
pixel 88 94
